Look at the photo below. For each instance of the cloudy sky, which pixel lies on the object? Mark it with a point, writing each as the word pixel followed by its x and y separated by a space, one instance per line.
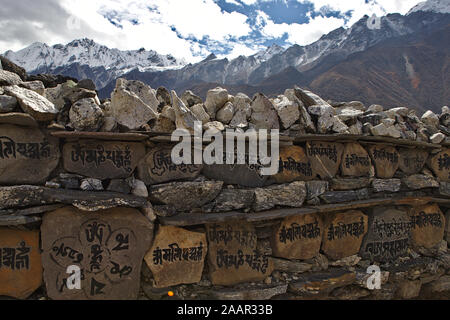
pixel 189 29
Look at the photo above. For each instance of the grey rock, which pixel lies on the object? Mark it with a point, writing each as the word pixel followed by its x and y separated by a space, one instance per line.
pixel 340 184
pixel 199 111
pixel 168 112
pixel 289 195
pixel 344 196
pixel 185 119
pixel 214 126
pixel 437 137
pixel 226 113
pixel 215 100
pixel 7 103
pixel 309 98
pixel 430 118
pixel 120 185
pixel 9 79
pixel 86 115
pixel 91 184
pixel 386 185
pixel 420 181
pixel 139 189
pixel 264 115
pixel 36 86
pixel 283 265
pixel 287 110
pixel 232 199
pixel 190 99
pixel 316 188
pixel 375 108
pixel 86 84
pixel 163 97
pixel 379 130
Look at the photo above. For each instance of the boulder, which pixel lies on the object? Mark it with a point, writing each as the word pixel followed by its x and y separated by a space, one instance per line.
pixel 430 118
pixel 190 99
pixel 86 115
pixel 226 113
pixel 185 118
pixel 33 103
pixel 133 103
pixel 288 111
pixel 215 100
pixel 264 115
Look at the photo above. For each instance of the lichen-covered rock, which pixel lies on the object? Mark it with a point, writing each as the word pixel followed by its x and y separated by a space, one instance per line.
pixel 33 103
pixel 133 103
pixel 289 195
pixel 86 115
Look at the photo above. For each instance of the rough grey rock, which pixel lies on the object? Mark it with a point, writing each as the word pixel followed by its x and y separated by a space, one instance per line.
pixel 7 103
pixel 36 85
pixel 264 115
pixel 120 185
pixel 139 189
pixel 316 188
pixel 193 194
pixel 199 111
pixel 9 79
pixel 289 195
pixel 287 110
pixel 185 119
pixel 437 137
pixel 91 184
pixel 168 112
pixel 430 118
pixel 386 185
pixel 379 130
pixel 214 126
pixel 215 100
pixel 232 199
pixel 33 103
pixel 344 196
pixel 226 113
pixel 420 181
pixel 86 115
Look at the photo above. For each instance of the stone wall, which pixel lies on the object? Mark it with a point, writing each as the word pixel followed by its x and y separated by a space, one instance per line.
pixel 91 184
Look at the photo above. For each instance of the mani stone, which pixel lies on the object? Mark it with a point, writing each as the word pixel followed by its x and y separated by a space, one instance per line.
pixel 33 103
pixel 343 234
pixel 246 175
pixel 325 158
pixel 102 159
pixel 157 167
pixel 287 195
pixel 177 256
pixel 385 160
pixel 388 236
pixel 185 195
pixel 21 267
pixel 293 165
pixel 440 164
pixel 412 160
pixel 108 246
pixel 298 237
pixel 233 256
pixel 355 161
pixel 428 226
pixel 27 155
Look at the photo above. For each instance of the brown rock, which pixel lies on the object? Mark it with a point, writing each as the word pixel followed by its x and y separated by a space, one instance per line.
pixel 428 224
pixel 322 282
pixel 388 235
pixel 343 234
pixel 233 256
pixel 108 246
pixel 102 159
pixel 385 160
pixel 412 160
pixel 325 158
pixel 27 155
pixel 298 237
pixel 21 268
pixel 355 161
pixel 157 167
pixel 293 166
pixel 177 256
pixel 440 164
pixel 408 289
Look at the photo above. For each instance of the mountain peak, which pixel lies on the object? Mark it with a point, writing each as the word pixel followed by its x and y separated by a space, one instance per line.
pixel 437 6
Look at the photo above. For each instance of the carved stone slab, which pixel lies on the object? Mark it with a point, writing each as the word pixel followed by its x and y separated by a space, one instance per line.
pixel 440 164
pixel 26 155
pixel 108 246
pixel 428 225
pixel 355 161
pixel 233 256
pixel 385 160
pixel 344 233
pixel 102 159
pixel 177 256
pixel 325 158
pixel 294 165
pixel 388 236
pixel 20 263
pixel 157 167
pixel 412 160
pixel 298 237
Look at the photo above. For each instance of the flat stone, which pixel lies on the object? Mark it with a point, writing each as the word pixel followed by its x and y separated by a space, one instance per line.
pixel 307 97
pixel 428 226
pixel 420 181
pixel 33 103
pixel 27 155
pixel 444 189
pixel 388 236
pixel 233 256
pixel 385 160
pixel 232 199
pixel 316 188
pixel 264 115
pixel 36 85
pixel 177 256
pixel 321 283
pixel 133 103
pixel 440 164
pixel 288 195
pixel 246 175
pixel 194 194
pixel 412 160
pixel 108 246
pixel 102 159
pixel 265 293
pixel 344 196
pixel 386 185
pixel 284 265
pixel 293 165
pixel 298 237
pixel 18 119
pixel 355 161
pixel 325 158
pixel 7 103
pixel 157 167
pixel 9 78
pixel 339 184
pixel 343 234
pixel 21 267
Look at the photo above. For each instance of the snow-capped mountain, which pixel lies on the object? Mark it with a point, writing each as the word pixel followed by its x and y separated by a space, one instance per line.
pixel 83 54
pixel 437 6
